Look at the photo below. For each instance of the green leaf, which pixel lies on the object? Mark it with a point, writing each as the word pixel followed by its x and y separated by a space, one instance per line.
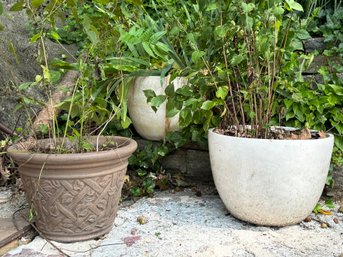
pixel 18 6
pixel 237 59
pixel 90 30
pixel 157 100
pixel 303 34
pixel 278 11
pixel 247 7
pixel 1 27
pixel 208 105
pixel 222 92
pixel 149 93
pixel 25 86
pixel 211 7
pixel 330 204
pixel 220 31
pixel 1 9
pixel 35 37
pixel 170 91
pixel 148 49
pixel 196 55
pixel 185 117
pixel 55 35
pixel 294 5
pixel 337 89
pixel 171 107
pixel 36 3
pixel 157 36
pixel 185 91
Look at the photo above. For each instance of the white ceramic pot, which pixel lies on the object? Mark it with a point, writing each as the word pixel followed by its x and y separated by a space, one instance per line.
pixel 269 182
pixel 149 124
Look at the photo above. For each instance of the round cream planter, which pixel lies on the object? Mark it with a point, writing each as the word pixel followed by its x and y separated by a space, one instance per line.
pixel 269 182
pixel 149 124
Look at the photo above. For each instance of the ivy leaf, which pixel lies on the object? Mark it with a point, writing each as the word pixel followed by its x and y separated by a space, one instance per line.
pixel 294 5
pixel 303 34
pixel 222 92
pixel 149 93
pixel 157 100
pixel 278 11
pixel 185 117
pixel 170 91
pixel 208 105
pixel 337 89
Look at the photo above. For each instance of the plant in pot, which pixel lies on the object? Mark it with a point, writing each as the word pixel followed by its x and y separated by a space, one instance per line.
pixel 73 180
pixel 156 53
pixel 265 174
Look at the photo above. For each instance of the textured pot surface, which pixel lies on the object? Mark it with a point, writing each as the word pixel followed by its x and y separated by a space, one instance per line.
pixel 269 182
pixel 75 196
pixel 149 124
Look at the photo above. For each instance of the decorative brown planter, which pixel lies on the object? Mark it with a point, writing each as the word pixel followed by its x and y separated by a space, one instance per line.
pixel 75 196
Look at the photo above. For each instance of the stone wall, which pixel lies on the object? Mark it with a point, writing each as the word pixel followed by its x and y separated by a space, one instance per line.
pixel 18 63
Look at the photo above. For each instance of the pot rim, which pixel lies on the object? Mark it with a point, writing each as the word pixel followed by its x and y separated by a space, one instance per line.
pixel 126 145
pixel 329 137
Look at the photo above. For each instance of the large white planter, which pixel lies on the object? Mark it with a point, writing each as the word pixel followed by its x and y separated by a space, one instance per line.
pixel 149 124
pixel 269 182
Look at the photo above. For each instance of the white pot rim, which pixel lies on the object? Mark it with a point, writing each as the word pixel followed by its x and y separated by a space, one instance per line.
pixel 330 136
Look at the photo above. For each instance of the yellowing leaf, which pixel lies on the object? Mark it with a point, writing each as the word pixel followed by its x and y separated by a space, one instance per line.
pixel 325 212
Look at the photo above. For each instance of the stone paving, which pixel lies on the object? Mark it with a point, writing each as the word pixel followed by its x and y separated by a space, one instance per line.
pixel 183 224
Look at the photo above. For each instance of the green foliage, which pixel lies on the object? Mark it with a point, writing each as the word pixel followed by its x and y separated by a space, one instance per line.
pixel 146 165
pixel 318 103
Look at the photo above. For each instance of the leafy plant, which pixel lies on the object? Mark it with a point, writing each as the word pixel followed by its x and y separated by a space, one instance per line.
pixel 243 63
pixel 146 165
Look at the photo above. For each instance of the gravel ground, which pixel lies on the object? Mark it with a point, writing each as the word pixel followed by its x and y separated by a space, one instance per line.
pixel 183 224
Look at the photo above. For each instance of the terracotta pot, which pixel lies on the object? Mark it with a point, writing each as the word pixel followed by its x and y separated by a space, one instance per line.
pixel 269 182
pixel 149 124
pixel 75 196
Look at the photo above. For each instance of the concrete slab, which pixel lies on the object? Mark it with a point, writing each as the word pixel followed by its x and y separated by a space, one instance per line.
pixel 183 224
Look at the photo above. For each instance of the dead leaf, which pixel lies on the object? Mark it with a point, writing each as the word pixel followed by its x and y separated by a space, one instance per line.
pixel 336 220
pixel 305 134
pixel 322 134
pixel 325 212
pixel 130 240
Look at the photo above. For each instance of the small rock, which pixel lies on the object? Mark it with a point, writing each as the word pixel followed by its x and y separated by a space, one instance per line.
pixel 308 219
pixel 130 240
pixel 142 220
pixel 336 220
pixel 340 210
pixel 134 231
pixel 324 225
pixel 198 193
